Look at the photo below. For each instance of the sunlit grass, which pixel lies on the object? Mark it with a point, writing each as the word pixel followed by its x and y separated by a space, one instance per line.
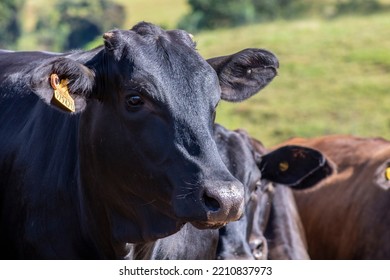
pixel 162 12
pixel 334 77
pixel 334 74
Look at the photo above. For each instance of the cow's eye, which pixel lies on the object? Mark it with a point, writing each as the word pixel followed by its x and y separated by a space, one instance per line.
pixel 134 101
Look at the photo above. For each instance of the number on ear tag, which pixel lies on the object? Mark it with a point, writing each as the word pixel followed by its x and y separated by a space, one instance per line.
pixel 61 97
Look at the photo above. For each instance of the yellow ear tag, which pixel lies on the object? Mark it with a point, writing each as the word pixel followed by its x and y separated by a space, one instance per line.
pixel 283 166
pixel 387 173
pixel 61 96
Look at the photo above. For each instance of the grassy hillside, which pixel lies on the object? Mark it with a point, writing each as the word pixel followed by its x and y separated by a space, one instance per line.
pixel 334 77
pixel 163 12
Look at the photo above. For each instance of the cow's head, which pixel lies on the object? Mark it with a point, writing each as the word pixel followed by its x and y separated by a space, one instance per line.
pixel 148 159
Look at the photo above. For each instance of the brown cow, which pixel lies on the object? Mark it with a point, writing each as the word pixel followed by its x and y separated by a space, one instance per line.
pixel 345 216
pixel 280 221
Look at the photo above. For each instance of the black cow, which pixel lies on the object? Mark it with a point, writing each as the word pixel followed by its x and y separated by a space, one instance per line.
pixel 295 166
pixel 134 161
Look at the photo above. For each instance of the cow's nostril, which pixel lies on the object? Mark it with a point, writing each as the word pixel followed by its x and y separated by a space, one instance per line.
pixel 258 252
pixel 211 203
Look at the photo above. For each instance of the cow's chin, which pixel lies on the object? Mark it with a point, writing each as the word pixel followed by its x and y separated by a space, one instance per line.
pixel 207 225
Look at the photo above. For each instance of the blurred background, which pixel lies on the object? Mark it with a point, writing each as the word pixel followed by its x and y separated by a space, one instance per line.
pixel 334 75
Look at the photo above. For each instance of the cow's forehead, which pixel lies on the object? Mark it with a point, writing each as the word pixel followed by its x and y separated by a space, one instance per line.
pixel 169 61
pixel 146 30
pixel 147 41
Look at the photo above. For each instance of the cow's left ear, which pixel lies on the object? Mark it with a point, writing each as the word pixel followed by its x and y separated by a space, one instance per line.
pixel 63 83
pixel 243 74
pixel 295 166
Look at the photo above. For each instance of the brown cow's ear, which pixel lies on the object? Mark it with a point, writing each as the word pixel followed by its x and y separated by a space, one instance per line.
pixel 243 74
pixel 295 166
pixel 382 176
pixel 63 83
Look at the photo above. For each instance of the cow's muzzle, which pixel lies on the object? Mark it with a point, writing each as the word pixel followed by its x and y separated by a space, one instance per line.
pixel 222 202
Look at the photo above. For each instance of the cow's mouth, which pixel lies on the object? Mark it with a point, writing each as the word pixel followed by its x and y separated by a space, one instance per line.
pixel 208 225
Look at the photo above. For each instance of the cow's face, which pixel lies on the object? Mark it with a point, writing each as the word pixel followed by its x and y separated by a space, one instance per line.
pixel 151 134
pixel 238 155
pixel 148 157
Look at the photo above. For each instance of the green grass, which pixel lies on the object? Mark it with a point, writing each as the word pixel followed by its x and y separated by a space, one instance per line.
pixel 165 13
pixel 334 77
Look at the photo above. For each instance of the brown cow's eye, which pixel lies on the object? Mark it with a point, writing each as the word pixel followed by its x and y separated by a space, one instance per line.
pixel 134 101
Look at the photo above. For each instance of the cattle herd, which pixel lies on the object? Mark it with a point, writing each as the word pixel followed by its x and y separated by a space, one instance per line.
pixel 114 153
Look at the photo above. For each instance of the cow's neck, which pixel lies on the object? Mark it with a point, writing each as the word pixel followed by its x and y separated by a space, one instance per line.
pixel 97 223
pixel 98 231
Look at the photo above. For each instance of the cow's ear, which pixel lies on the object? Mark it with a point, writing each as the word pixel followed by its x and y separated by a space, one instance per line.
pixel 295 166
pixel 243 74
pixel 63 83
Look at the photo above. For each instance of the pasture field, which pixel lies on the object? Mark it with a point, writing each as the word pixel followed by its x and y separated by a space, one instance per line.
pixel 165 13
pixel 334 74
pixel 334 77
